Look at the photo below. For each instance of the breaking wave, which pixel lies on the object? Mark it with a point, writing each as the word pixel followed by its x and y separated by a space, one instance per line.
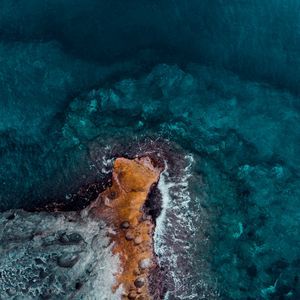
pixel 174 235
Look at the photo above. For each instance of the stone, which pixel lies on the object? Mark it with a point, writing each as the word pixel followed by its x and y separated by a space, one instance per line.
pixel 11 291
pixel 73 238
pixel 138 240
pixel 137 272
pixel 129 236
pixel 145 263
pixel 125 225
pixel 139 282
pixel 68 260
pixel 112 195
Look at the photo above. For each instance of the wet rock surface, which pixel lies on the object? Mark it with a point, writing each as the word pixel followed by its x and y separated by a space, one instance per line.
pixel 68 260
pixel 47 256
pixel 145 263
pixel 139 282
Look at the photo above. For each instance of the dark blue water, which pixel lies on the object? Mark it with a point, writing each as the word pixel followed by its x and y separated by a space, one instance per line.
pixel 219 78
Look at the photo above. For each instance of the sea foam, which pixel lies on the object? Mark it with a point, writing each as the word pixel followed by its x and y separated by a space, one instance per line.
pixel 174 227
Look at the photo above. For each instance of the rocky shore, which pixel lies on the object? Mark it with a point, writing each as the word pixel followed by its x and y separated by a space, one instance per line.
pixel 105 251
pixel 121 206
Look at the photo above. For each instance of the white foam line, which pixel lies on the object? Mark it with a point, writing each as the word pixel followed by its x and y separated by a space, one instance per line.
pixel 178 204
pixel 164 188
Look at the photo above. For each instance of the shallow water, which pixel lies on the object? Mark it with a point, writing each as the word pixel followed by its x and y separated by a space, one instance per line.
pixel 84 82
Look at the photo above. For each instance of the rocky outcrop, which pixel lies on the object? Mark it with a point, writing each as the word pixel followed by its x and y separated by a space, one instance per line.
pixel 122 207
pixel 104 251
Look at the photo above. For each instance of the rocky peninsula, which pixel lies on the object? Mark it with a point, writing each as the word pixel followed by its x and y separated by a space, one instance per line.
pixel 104 251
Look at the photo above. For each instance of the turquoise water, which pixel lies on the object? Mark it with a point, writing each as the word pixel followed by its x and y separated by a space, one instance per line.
pixel 82 82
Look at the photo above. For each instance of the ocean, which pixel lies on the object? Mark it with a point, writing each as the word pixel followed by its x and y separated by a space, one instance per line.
pixel 216 82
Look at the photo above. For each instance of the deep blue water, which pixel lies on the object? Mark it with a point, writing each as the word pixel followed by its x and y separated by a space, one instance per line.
pixel 220 78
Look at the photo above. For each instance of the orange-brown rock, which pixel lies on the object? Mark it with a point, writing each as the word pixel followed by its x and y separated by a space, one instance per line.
pixel 121 206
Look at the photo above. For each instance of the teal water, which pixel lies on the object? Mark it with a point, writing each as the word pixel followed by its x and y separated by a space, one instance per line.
pixel 82 82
